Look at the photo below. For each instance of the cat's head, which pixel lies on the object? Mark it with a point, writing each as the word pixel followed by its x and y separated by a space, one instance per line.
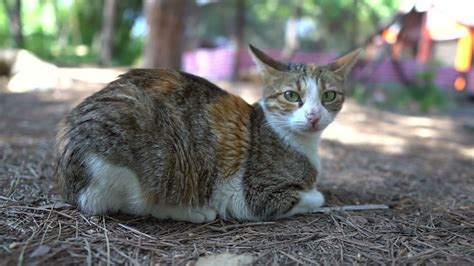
pixel 302 98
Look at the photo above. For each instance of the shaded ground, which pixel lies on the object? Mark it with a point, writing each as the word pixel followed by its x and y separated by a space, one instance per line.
pixel 421 166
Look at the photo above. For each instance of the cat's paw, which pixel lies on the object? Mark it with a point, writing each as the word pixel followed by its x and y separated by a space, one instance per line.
pixel 310 201
pixel 193 215
pixel 202 215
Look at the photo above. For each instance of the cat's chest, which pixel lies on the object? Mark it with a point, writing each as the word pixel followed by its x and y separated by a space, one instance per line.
pixel 307 158
pixel 307 149
pixel 312 155
pixel 295 160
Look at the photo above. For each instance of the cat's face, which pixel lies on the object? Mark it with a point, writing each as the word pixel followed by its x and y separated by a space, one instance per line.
pixel 300 98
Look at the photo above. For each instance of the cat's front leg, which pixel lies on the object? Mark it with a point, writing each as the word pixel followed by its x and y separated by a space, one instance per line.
pixel 309 202
pixel 280 201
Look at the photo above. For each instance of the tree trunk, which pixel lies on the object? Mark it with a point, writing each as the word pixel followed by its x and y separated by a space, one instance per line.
pixel 13 8
pixel 108 30
pixel 165 19
pixel 237 36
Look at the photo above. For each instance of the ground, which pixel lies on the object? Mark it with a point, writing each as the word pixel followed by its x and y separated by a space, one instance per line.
pixel 421 166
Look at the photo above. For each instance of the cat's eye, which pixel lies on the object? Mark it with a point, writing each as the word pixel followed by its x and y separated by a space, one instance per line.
pixel 329 96
pixel 292 96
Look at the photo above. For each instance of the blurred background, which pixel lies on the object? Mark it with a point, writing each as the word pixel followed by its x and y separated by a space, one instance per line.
pixel 418 53
pixel 405 135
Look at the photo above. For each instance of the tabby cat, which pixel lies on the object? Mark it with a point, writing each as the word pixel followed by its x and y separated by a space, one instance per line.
pixel 173 145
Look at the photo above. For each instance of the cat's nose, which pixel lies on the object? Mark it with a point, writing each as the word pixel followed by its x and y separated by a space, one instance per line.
pixel 312 118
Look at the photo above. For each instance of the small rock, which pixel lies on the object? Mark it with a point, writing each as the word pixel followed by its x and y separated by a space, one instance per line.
pixel 40 251
pixel 225 259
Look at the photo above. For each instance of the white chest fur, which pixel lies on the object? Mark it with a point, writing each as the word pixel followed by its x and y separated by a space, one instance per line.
pixel 307 145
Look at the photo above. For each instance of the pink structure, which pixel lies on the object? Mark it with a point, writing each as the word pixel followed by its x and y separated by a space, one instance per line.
pixel 218 63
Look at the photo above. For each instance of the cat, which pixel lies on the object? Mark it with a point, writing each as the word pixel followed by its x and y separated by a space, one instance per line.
pixel 175 146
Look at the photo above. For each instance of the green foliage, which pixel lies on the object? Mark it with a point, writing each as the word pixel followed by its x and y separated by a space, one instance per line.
pixel 398 97
pixel 127 50
pixel 423 94
pixel 426 93
pixel 208 24
pixel 86 19
pixel 5 39
pixel 40 44
pixel 360 94
pixel 53 29
pixel 266 21
pixel 334 21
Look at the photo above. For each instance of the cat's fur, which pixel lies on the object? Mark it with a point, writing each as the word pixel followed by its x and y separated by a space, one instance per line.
pixel 173 145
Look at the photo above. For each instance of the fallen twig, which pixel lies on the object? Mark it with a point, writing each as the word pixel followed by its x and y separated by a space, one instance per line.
pixel 233 226
pixel 353 208
pixel 136 231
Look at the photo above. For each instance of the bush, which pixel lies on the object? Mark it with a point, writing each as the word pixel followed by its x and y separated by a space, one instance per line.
pixel 426 93
pixel 423 94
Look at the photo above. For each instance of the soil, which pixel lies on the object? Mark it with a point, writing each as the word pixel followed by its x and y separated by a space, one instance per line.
pixel 421 166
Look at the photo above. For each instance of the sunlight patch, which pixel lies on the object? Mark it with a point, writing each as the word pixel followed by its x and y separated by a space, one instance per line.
pixel 349 135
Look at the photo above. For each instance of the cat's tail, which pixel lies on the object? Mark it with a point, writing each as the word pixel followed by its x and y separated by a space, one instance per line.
pixel 69 172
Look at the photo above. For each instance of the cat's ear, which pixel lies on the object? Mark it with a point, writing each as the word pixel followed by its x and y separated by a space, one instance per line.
pixel 265 64
pixel 344 64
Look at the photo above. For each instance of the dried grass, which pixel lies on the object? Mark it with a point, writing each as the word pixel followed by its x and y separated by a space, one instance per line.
pixel 431 219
